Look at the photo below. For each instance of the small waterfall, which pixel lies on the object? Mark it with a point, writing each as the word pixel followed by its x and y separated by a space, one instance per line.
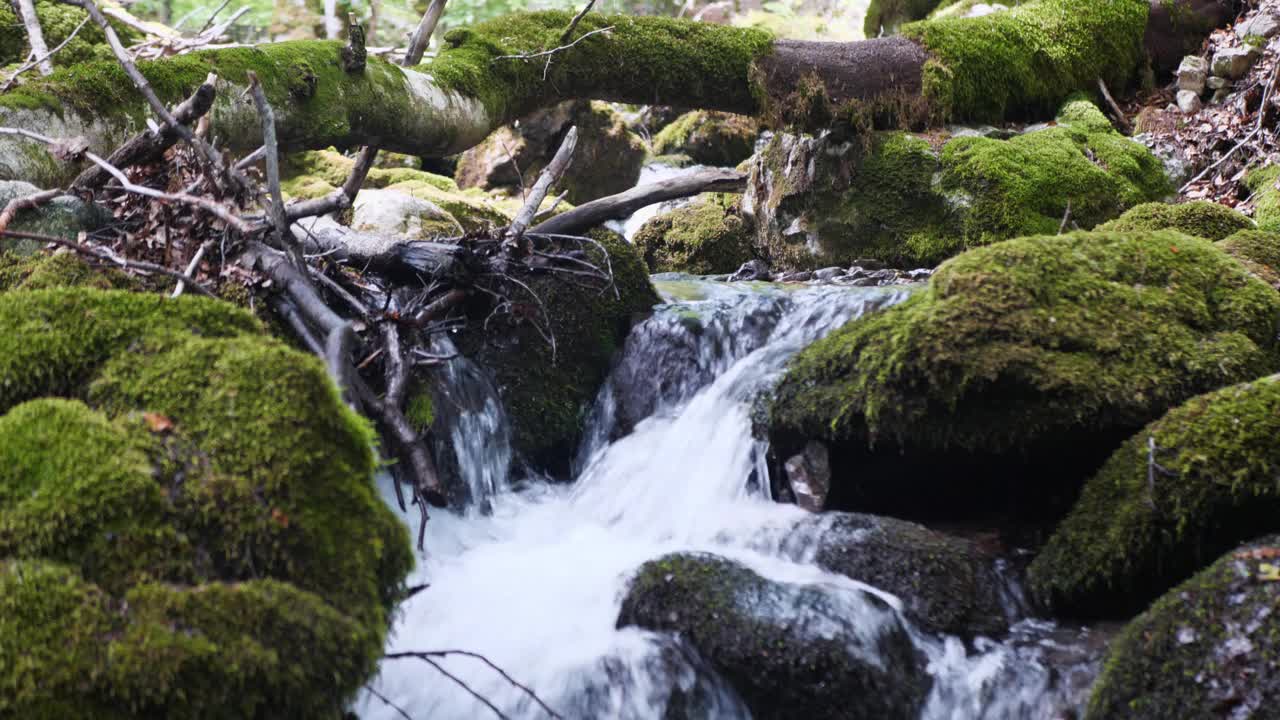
pixel 670 465
pixel 470 415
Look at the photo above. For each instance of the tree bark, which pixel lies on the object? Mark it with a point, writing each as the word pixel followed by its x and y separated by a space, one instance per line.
pixel 1020 63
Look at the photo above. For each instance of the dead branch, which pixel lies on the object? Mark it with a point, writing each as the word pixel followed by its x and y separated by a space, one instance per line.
pixel 549 176
pixel 339 199
pixel 1257 128
pixel 1116 112
pixel 387 701
pixel 428 656
pixel 271 156
pixel 192 266
pixel 573 24
pixel 354 54
pixel 149 145
pixel 550 54
pixel 41 60
pixel 422 34
pixel 35 35
pixel 591 214
pixel 30 202
pixel 106 255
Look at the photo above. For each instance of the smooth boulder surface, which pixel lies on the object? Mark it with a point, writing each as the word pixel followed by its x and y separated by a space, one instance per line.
pixel 791 651
pixel 1187 487
pixel 1208 649
pixel 1004 383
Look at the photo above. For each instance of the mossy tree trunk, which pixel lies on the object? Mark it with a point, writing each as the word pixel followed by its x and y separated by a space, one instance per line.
pixel 1019 63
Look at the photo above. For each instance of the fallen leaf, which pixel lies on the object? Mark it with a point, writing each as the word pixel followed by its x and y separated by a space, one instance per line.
pixel 157 423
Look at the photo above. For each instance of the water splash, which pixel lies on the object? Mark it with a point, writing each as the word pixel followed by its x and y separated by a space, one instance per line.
pixel 536 585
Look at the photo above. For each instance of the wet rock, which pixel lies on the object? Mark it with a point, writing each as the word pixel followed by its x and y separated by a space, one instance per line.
pixel 1232 63
pixel 709 138
pixel 1183 490
pixel 797 276
pixel 947 584
pixel 1192 74
pixel 753 270
pixel 398 215
pixel 919 274
pixel 700 238
pixel 811 651
pixel 868 264
pixel 1207 649
pixel 828 274
pixel 607 159
pixel 1012 377
pixel 809 476
pixel 1189 102
pixel 1263 25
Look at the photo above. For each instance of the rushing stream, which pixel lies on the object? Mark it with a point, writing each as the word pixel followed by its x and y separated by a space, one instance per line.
pixel 534 575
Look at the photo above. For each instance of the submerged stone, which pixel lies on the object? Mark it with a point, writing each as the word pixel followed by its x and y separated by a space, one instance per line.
pixel 1208 648
pixel 789 650
pixel 1007 380
pixel 1183 490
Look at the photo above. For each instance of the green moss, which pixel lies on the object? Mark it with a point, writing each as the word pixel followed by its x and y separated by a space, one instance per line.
pixel 58 22
pixel 702 238
pixel 419 410
pixel 206 480
pixel 1208 648
pixel 1037 337
pixel 1200 218
pixel 1257 250
pixel 1022 186
pixel 709 138
pixel 1266 198
pixel 642 58
pixel 548 390
pixel 1029 59
pixel 40 271
pixel 1138 529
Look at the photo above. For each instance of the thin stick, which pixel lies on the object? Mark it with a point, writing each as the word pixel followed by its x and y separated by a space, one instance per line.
pixel 213 16
pixel 38 59
pixel 386 701
pixel 552 51
pixel 573 24
pixel 1121 120
pixel 191 266
pixel 35 36
pixel 549 176
pixel 1262 113
pixel 422 34
pixel 30 202
pixel 1066 218
pixel 477 656
pixel 279 223
pixel 460 683
pixel 108 256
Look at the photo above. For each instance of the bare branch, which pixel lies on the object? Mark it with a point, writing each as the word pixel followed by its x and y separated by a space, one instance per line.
pixel 591 214
pixel 573 24
pixel 387 701
pixel 422 34
pixel 341 198
pixel 30 202
pixel 41 60
pixel 550 175
pixel 271 156
pixel 1120 119
pixel 101 253
pixel 35 36
pixel 427 655
pixel 192 266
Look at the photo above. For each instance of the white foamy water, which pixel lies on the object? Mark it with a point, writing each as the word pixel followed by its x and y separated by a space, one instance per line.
pixel 536 584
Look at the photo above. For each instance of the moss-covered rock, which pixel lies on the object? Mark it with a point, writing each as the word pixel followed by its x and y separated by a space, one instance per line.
pixel 1189 486
pixel 1200 218
pixel 192 506
pixel 65 216
pixel 946 584
pixel 548 388
pixel 709 138
pixel 39 271
pixel 1258 250
pixel 819 203
pixel 1208 648
pixel 1021 365
pixel 606 159
pixel 789 650
pixel 58 22
pixel 1266 197
pixel 702 238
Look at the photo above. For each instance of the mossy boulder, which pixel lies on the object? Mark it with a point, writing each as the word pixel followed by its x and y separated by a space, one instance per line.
pixel 709 138
pixel 702 238
pixel 946 584
pixel 789 650
pixel 1258 250
pixel 58 22
pixel 1200 218
pixel 1016 371
pixel 547 389
pixel 820 202
pixel 607 158
pixel 65 216
pixel 1196 482
pixel 188 522
pixel 1266 197
pixel 1207 649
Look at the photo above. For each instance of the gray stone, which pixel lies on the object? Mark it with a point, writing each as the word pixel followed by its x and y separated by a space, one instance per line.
pixel 1261 25
pixel 828 274
pixel 66 216
pixel 1192 73
pixel 1189 102
pixel 809 474
pixel 753 270
pixel 869 264
pixel 1220 95
pixel 1216 83
pixel 401 215
pixel 1232 63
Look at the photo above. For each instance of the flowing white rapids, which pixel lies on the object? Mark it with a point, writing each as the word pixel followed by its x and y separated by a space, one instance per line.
pixel 536 583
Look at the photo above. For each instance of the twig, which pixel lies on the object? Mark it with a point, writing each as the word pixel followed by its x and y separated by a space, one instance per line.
pixel 387 701
pixel 341 198
pixel 1262 113
pixel 1121 120
pixel 191 267
pixel 35 36
pixel 422 34
pixel 591 214
pixel 549 53
pixel 573 24
pixel 550 175
pixel 108 256
pixel 524 688
pixel 30 202
pixel 213 16
pixel 462 684
pixel 38 60
pixel 1066 218
pixel 279 223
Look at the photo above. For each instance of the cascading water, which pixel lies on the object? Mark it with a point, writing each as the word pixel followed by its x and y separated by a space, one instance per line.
pixel 536 583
